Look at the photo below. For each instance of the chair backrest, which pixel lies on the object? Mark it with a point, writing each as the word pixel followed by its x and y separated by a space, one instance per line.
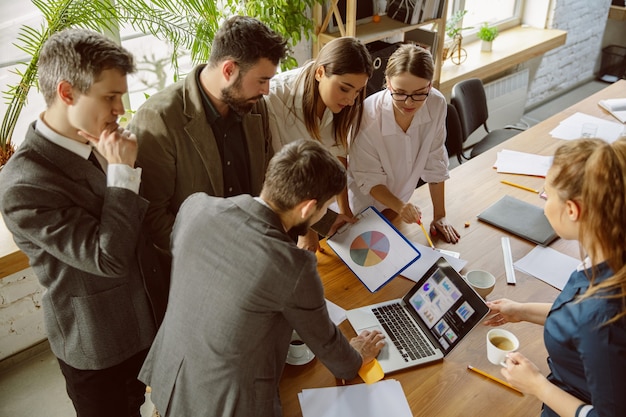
pixel 468 96
pixel 454 133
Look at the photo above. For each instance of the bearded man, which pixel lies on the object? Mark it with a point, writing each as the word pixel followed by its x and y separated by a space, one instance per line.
pixel 209 132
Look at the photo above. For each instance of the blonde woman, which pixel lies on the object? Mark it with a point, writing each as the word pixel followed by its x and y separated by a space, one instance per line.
pixel 585 327
pixel 402 139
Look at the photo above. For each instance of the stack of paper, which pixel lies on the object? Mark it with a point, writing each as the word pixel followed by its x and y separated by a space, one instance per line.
pixel 383 398
pixel 571 128
pixel 615 106
pixel 514 162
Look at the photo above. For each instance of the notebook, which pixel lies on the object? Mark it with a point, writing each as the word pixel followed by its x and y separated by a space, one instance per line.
pixel 520 218
pixel 435 315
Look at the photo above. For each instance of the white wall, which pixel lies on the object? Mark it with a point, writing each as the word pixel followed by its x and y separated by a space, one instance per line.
pixel 574 63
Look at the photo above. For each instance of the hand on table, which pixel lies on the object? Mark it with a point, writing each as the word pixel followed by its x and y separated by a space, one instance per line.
pixel 310 241
pixel 445 229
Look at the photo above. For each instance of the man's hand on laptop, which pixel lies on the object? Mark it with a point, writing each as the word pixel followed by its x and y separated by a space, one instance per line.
pixel 368 344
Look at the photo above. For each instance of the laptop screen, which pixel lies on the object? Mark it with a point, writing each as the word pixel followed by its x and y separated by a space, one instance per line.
pixel 447 308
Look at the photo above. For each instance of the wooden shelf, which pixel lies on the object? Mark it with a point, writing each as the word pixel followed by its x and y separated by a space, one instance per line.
pixel 370 32
pixel 511 47
pixel 374 31
pixel 12 260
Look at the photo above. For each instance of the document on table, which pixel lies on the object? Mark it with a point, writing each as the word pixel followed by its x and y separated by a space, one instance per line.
pixel 417 269
pixel 571 127
pixel 514 162
pixel 383 398
pixel 548 265
pixel 336 313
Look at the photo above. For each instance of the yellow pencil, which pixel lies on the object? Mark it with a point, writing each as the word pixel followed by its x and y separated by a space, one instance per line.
pixel 523 187
pixel 430 242
pixel 493 378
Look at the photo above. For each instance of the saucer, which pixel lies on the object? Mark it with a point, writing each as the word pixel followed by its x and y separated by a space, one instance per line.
pixel 306 358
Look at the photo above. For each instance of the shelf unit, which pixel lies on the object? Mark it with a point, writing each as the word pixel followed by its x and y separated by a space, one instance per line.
pixel 374 31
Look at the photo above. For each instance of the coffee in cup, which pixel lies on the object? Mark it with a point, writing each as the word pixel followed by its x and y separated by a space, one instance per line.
pixel 298 353
pixel 499 343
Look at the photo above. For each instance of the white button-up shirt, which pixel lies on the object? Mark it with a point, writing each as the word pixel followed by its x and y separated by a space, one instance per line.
pixel 382 153
pixel 286 116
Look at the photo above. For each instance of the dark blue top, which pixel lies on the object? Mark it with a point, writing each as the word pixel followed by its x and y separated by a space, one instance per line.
pixel 587 358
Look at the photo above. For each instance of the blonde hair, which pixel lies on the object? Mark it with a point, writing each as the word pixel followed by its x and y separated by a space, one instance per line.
pixel 592 173
pixel 345 55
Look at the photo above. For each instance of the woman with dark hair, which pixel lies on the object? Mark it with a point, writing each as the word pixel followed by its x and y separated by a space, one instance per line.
pixel 323 101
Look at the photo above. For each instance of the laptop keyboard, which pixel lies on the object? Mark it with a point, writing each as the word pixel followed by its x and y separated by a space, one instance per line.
pixel 407 338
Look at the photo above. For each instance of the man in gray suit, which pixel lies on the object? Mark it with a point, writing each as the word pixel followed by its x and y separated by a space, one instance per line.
pixel 209 132
pixel 235 301
pixel 70 197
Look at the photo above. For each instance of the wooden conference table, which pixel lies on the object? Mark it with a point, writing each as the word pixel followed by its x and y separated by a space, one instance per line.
pixel 447 388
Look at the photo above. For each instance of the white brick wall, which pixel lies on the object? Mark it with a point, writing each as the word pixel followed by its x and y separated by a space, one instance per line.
pixel 21 315
pixel 573 63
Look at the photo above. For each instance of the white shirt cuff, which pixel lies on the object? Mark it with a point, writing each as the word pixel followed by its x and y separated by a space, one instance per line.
pixel 123 176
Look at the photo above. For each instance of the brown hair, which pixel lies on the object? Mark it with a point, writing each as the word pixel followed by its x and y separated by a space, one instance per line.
pixel 245 40
pixel 345 55
pixel 592 173
pixel 412 59
pixel 303 170
pixel 79 56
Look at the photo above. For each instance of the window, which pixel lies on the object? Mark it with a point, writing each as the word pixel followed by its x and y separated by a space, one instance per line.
pixel 503 13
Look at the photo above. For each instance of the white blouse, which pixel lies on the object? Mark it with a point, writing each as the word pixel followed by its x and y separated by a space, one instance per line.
pixel 286 117
pixel 382 153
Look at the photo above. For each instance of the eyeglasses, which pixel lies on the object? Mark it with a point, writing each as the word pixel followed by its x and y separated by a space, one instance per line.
pixel 414 97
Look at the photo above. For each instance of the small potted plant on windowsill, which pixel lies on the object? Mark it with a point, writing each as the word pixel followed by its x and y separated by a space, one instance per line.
pixel 487 34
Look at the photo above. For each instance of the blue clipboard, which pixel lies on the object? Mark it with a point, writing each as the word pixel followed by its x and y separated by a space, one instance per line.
pixel 373 249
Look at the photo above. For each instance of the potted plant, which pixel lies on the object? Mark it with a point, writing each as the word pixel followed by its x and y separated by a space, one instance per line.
pixel 184 24
pixel 487 34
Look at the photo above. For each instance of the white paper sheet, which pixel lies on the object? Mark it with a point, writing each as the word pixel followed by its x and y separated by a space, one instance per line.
pixel 548 265
pixel 429 256
pixel 514 162
pixel 571 127
pixel 383 398
pixel 336 313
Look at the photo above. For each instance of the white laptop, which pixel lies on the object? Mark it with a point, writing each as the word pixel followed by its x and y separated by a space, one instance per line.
pixel 431 319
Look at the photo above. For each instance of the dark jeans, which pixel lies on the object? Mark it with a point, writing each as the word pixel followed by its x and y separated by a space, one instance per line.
pixel 113 391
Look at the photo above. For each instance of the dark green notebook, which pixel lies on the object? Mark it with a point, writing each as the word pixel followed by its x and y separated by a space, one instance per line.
pixel 520 218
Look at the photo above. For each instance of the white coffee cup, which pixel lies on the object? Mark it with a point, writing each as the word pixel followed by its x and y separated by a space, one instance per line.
pixel 481 281
pixel 499 343
pixel 299 352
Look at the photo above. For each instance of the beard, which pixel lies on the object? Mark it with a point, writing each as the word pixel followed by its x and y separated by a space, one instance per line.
pixel 232 96
pixel 300 229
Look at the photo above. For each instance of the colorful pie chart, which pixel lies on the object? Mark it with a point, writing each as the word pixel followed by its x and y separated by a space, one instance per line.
pixel 369 248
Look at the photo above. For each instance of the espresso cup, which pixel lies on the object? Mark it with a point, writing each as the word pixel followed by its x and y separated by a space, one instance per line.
pixel 481 281
pixel 499 343
pixel 299 352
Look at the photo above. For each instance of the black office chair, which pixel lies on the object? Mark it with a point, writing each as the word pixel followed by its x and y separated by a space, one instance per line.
pixel 454 134
pixel 469 99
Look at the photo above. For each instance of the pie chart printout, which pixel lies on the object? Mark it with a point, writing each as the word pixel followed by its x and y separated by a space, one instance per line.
pixel 369 248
